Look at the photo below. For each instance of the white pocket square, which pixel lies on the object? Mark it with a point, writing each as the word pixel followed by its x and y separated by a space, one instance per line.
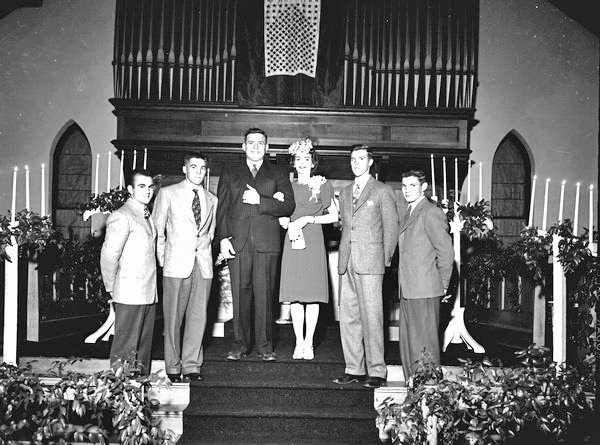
pixel 370 203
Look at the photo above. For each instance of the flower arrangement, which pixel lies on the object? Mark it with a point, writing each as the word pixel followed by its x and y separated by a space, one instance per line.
pixel 106 202
pixel 476 218
pixel 301 146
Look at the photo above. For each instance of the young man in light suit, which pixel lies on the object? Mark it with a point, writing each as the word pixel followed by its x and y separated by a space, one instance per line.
pixel 252 197
pixel 369 238
pixel 185 218
pixel 426 258
pixel 128 266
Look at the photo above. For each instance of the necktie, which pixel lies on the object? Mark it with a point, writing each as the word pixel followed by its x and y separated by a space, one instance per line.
pixel 409 209
pixel 146 212
pixel 355 193
pixel 254 171
pixel 196 208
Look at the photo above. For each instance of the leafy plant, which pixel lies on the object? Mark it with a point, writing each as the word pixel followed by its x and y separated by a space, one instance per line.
pixel 488 404
pixel 107 404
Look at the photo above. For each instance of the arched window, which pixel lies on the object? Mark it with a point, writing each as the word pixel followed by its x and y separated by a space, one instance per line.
pixel 511 189
pixel 71 182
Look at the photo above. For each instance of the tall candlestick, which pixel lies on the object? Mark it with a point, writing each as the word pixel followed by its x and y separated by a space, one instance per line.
pixel 208 179
pixel 591 216
pixel 480 181
pixel 545 215
pixel 561 204
pixel 121 170
pixel 576 215
pixel 108 172
pixel 43 191
pixel 376 176
pixel 432 176
pixel 97 174
pixel 469 181
pixel 145 157
pixel 532 201
pixel 134 159
pixel 13 207
pixel 27 202
pixel 444 177
pixel 456 200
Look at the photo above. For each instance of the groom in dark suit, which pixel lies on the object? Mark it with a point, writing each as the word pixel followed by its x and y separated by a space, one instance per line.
pixel 425 264
pixel 252 197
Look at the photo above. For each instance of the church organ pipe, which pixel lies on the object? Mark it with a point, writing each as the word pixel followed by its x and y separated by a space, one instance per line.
pixel 175 50
pixel 410 53
pixel 397 53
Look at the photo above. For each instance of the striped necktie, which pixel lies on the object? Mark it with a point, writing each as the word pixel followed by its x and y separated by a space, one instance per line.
pixel 355 193
pixel 196 208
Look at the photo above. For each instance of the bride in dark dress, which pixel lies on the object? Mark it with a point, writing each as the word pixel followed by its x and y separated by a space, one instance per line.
pixel 304 280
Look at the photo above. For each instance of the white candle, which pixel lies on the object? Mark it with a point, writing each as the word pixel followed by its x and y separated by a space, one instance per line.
pixel 145 157
pixel 531 202
pixel 432 176
pixel 545 215
pixel 480 181
pixel 208 178
pixel 134 159
pixel 27 202
pixel 43 191
pixel 591 216
pixel 444 172
pixel 576 216
pixel 561 204
pixel 456 200
pixel 13 207
pixel 108 172
pixel 97 173
pixel 469 181
pixel 121 169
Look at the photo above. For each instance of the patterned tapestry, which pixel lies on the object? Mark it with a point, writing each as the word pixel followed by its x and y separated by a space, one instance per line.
pixel 291 37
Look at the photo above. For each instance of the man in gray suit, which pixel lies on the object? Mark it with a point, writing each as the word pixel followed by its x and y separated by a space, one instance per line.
pixel 128 266
pixel 185 218
pixel 425 264
pixel 369 238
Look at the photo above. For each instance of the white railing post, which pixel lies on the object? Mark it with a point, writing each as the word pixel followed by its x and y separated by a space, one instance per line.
pixel 559 307
pixel 11 297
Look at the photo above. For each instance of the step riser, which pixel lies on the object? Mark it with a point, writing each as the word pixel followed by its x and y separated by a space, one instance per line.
pixel 280 400
pixel 280 430
pixel 305 371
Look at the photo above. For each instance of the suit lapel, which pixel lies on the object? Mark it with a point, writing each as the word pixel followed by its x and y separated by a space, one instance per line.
pixel 369 186
pixel 209 202
pixel 410 219
pixel 184 201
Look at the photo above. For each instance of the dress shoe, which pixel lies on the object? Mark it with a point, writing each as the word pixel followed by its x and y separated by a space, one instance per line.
pixel 349 378
pixel 235 356
pixel 267 356
pixel 309 353
pixel 192 376
pixel 298 352
pixel 374 382
pixel 174 378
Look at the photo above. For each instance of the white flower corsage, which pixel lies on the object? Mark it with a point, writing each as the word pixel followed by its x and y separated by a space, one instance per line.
pixel 301 146
pixel 314 185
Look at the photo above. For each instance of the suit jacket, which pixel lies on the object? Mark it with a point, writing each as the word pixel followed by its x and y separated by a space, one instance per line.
pixel 239 221
pixel 426 254
pixel 128 258
pixel 369 229
pixel 180 240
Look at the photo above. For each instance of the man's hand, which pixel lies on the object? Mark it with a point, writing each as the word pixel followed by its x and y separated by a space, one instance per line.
pixel 251 196
pixel 279 196
pixel 227 250
pixel 284 221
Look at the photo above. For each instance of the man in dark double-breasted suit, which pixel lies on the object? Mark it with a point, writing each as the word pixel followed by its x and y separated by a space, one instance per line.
pixel 426 258
pixel 252 197
pixel 369 238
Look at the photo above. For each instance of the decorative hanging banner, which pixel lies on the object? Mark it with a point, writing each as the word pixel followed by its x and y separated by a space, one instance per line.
pixel 291 37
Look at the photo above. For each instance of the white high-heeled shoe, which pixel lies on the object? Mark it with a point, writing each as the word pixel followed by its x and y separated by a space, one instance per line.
pixel 298 352
pixel 309 353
